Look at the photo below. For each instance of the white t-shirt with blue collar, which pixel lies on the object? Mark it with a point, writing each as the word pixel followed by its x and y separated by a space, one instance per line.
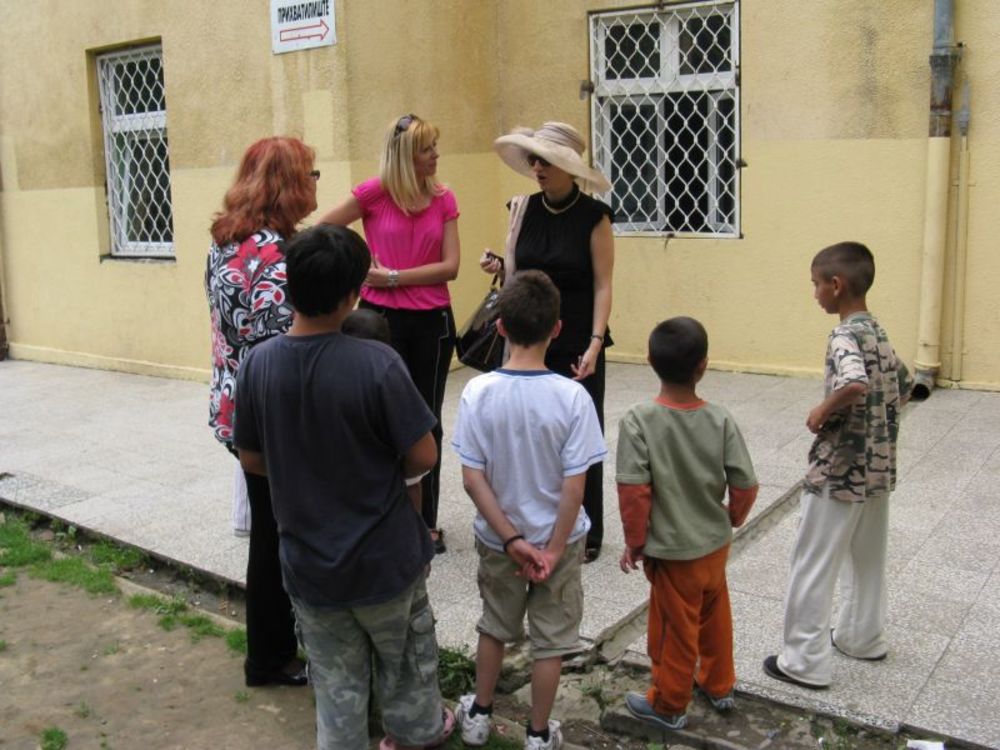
pixel 527 430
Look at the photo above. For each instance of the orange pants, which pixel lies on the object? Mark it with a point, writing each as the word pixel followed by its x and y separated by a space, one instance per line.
pixel 690 627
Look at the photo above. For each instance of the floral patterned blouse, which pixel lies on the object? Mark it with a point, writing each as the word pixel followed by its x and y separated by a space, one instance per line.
pixel 248 302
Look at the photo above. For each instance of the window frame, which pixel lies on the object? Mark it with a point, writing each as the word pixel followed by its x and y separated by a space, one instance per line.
pixel 609 94
pixel 120 171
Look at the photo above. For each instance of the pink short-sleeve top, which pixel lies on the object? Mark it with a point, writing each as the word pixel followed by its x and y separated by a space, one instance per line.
pixel 398 240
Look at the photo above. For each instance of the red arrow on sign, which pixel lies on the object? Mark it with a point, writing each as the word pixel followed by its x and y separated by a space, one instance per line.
pixel 313 31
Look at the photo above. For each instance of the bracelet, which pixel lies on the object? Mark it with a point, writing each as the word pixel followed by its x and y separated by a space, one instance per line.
pixel 393 280
pixel 511 541
pixel 599 338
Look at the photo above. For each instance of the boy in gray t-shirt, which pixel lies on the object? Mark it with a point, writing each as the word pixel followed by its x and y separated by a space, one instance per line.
pixel 525 437
pixel 337 426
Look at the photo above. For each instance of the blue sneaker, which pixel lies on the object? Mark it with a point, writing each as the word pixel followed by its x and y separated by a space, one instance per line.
pixel 639 707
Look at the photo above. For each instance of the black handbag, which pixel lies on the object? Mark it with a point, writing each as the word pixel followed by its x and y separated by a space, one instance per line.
pixel 479 344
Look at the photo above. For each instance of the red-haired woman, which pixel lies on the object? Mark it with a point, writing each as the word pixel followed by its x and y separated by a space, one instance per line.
pixel 275 188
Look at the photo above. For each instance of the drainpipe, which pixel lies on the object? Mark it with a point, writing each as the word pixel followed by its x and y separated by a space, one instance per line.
pixel 3 309
pixel 961 239
pixel 943 60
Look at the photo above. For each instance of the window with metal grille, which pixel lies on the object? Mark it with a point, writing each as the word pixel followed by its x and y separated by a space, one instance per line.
pixel 665 117
pixel 136 154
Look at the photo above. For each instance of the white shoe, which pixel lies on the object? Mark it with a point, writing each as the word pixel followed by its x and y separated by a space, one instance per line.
pixel 475 729
pixel 555 739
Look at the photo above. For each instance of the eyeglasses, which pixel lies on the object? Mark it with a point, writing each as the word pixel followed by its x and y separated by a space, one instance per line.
pixel 314 174
pixel 534 159
pixel 404 122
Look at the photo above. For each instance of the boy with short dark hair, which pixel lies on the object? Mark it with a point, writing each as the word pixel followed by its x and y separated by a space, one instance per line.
pixel 336 425
pixel 525 437
pixel 677 456
pixel 852 470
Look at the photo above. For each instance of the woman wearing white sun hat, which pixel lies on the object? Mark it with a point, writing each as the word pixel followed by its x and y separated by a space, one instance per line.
pixel 567 234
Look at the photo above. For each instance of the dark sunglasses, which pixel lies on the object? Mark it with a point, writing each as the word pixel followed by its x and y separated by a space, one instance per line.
pixel 404 122
pixel 314 174
pixel 534 159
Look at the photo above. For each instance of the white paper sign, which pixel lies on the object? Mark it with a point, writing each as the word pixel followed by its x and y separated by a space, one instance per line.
pixel 302 24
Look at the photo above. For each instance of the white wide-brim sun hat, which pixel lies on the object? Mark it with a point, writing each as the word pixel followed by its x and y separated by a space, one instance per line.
pixel 556 142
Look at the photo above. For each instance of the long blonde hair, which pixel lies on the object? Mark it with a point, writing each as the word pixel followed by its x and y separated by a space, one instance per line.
pixel 396 165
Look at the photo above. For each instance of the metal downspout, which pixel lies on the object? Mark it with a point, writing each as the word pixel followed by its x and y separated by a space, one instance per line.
pixel 943 60
pixel 961 240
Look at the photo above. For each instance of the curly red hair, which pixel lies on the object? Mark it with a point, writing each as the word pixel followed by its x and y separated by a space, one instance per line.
pixel 273 189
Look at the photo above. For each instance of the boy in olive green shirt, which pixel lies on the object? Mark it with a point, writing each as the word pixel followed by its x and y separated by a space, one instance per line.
pixel 677 456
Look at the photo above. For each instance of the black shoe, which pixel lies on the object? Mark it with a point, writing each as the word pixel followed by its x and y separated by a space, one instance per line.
pixel 590 554
pixel 294 674
pixel 437 537
pixel 771 669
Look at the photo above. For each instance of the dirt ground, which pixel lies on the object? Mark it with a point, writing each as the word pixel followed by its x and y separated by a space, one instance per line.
pixel 110 677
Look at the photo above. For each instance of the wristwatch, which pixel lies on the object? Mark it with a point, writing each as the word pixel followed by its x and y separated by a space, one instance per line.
pixel 393 280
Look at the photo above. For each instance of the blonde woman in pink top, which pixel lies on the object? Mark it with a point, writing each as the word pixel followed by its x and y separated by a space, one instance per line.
pixel 411 225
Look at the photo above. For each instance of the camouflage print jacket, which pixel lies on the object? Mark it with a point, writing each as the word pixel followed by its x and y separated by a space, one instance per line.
pixel 854 455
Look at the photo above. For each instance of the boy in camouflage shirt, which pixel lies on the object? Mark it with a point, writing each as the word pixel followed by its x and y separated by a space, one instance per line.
pixel 852 469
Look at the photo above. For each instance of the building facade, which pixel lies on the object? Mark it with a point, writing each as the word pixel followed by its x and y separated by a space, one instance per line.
pixel 741 137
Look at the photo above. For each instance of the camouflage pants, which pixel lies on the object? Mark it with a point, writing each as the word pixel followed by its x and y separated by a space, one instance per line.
pixel 397 638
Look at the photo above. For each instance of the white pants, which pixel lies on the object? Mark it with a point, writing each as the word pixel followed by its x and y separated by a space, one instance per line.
pixel 834 538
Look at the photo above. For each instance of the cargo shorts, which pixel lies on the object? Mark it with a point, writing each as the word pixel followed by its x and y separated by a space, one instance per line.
pixel 397 638
pixel 554 606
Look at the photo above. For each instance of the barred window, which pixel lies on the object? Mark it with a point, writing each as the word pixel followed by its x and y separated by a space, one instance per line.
pixel 136 154
pixel 665 117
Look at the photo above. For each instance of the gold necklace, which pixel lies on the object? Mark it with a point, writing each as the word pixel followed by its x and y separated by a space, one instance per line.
pixel 567 207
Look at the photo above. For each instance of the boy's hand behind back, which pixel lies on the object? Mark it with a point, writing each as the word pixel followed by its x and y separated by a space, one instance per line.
pixel 533 564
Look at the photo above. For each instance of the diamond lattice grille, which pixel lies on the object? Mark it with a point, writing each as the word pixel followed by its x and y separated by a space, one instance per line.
pixel 665 116
pixel 137 156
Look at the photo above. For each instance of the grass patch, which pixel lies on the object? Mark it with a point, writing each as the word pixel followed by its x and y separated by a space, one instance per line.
pixel 83 710
pixel 76 572
pixel 236 640
pixel 53 738
pixel 3 646
pixel 174 612
pixel 117 557
pixel 17 548
pixel 456 672
pixel 241 696
pixel 8 579
pixel 201 627
pixel 111 648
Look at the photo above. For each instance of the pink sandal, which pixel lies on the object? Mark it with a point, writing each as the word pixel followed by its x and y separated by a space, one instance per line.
pixel 447 715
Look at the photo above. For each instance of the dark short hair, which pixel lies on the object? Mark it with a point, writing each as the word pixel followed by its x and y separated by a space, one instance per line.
pixel 325 264
pixel 367 324
pixel 529 307
pixel 852 261
pixel 676 347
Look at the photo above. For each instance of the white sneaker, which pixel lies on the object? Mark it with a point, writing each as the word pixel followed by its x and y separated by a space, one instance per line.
pixel 555 739
pixel 475 729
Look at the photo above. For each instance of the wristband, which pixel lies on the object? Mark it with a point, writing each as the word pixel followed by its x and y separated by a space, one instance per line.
pixel 410 481
pixel 599 338
pixel 511 541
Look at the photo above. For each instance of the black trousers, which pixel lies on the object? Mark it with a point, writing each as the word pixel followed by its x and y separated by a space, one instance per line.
pixel 593 492
pixel 425 339
pixel 271 641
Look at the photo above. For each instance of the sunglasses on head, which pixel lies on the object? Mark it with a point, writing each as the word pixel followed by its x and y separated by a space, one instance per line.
pixel 314 174
pixel 534 159
pixel 404 122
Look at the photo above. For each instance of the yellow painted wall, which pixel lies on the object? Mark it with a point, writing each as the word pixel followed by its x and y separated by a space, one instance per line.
pixel 834 118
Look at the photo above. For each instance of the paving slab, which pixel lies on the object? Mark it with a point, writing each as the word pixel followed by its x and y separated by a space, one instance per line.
pixel 132 457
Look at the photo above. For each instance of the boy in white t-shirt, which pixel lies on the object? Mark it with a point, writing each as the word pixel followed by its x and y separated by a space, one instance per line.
pixel 525 437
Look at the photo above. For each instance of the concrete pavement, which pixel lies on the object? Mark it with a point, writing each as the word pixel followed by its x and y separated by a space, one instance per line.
pixel 131 457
